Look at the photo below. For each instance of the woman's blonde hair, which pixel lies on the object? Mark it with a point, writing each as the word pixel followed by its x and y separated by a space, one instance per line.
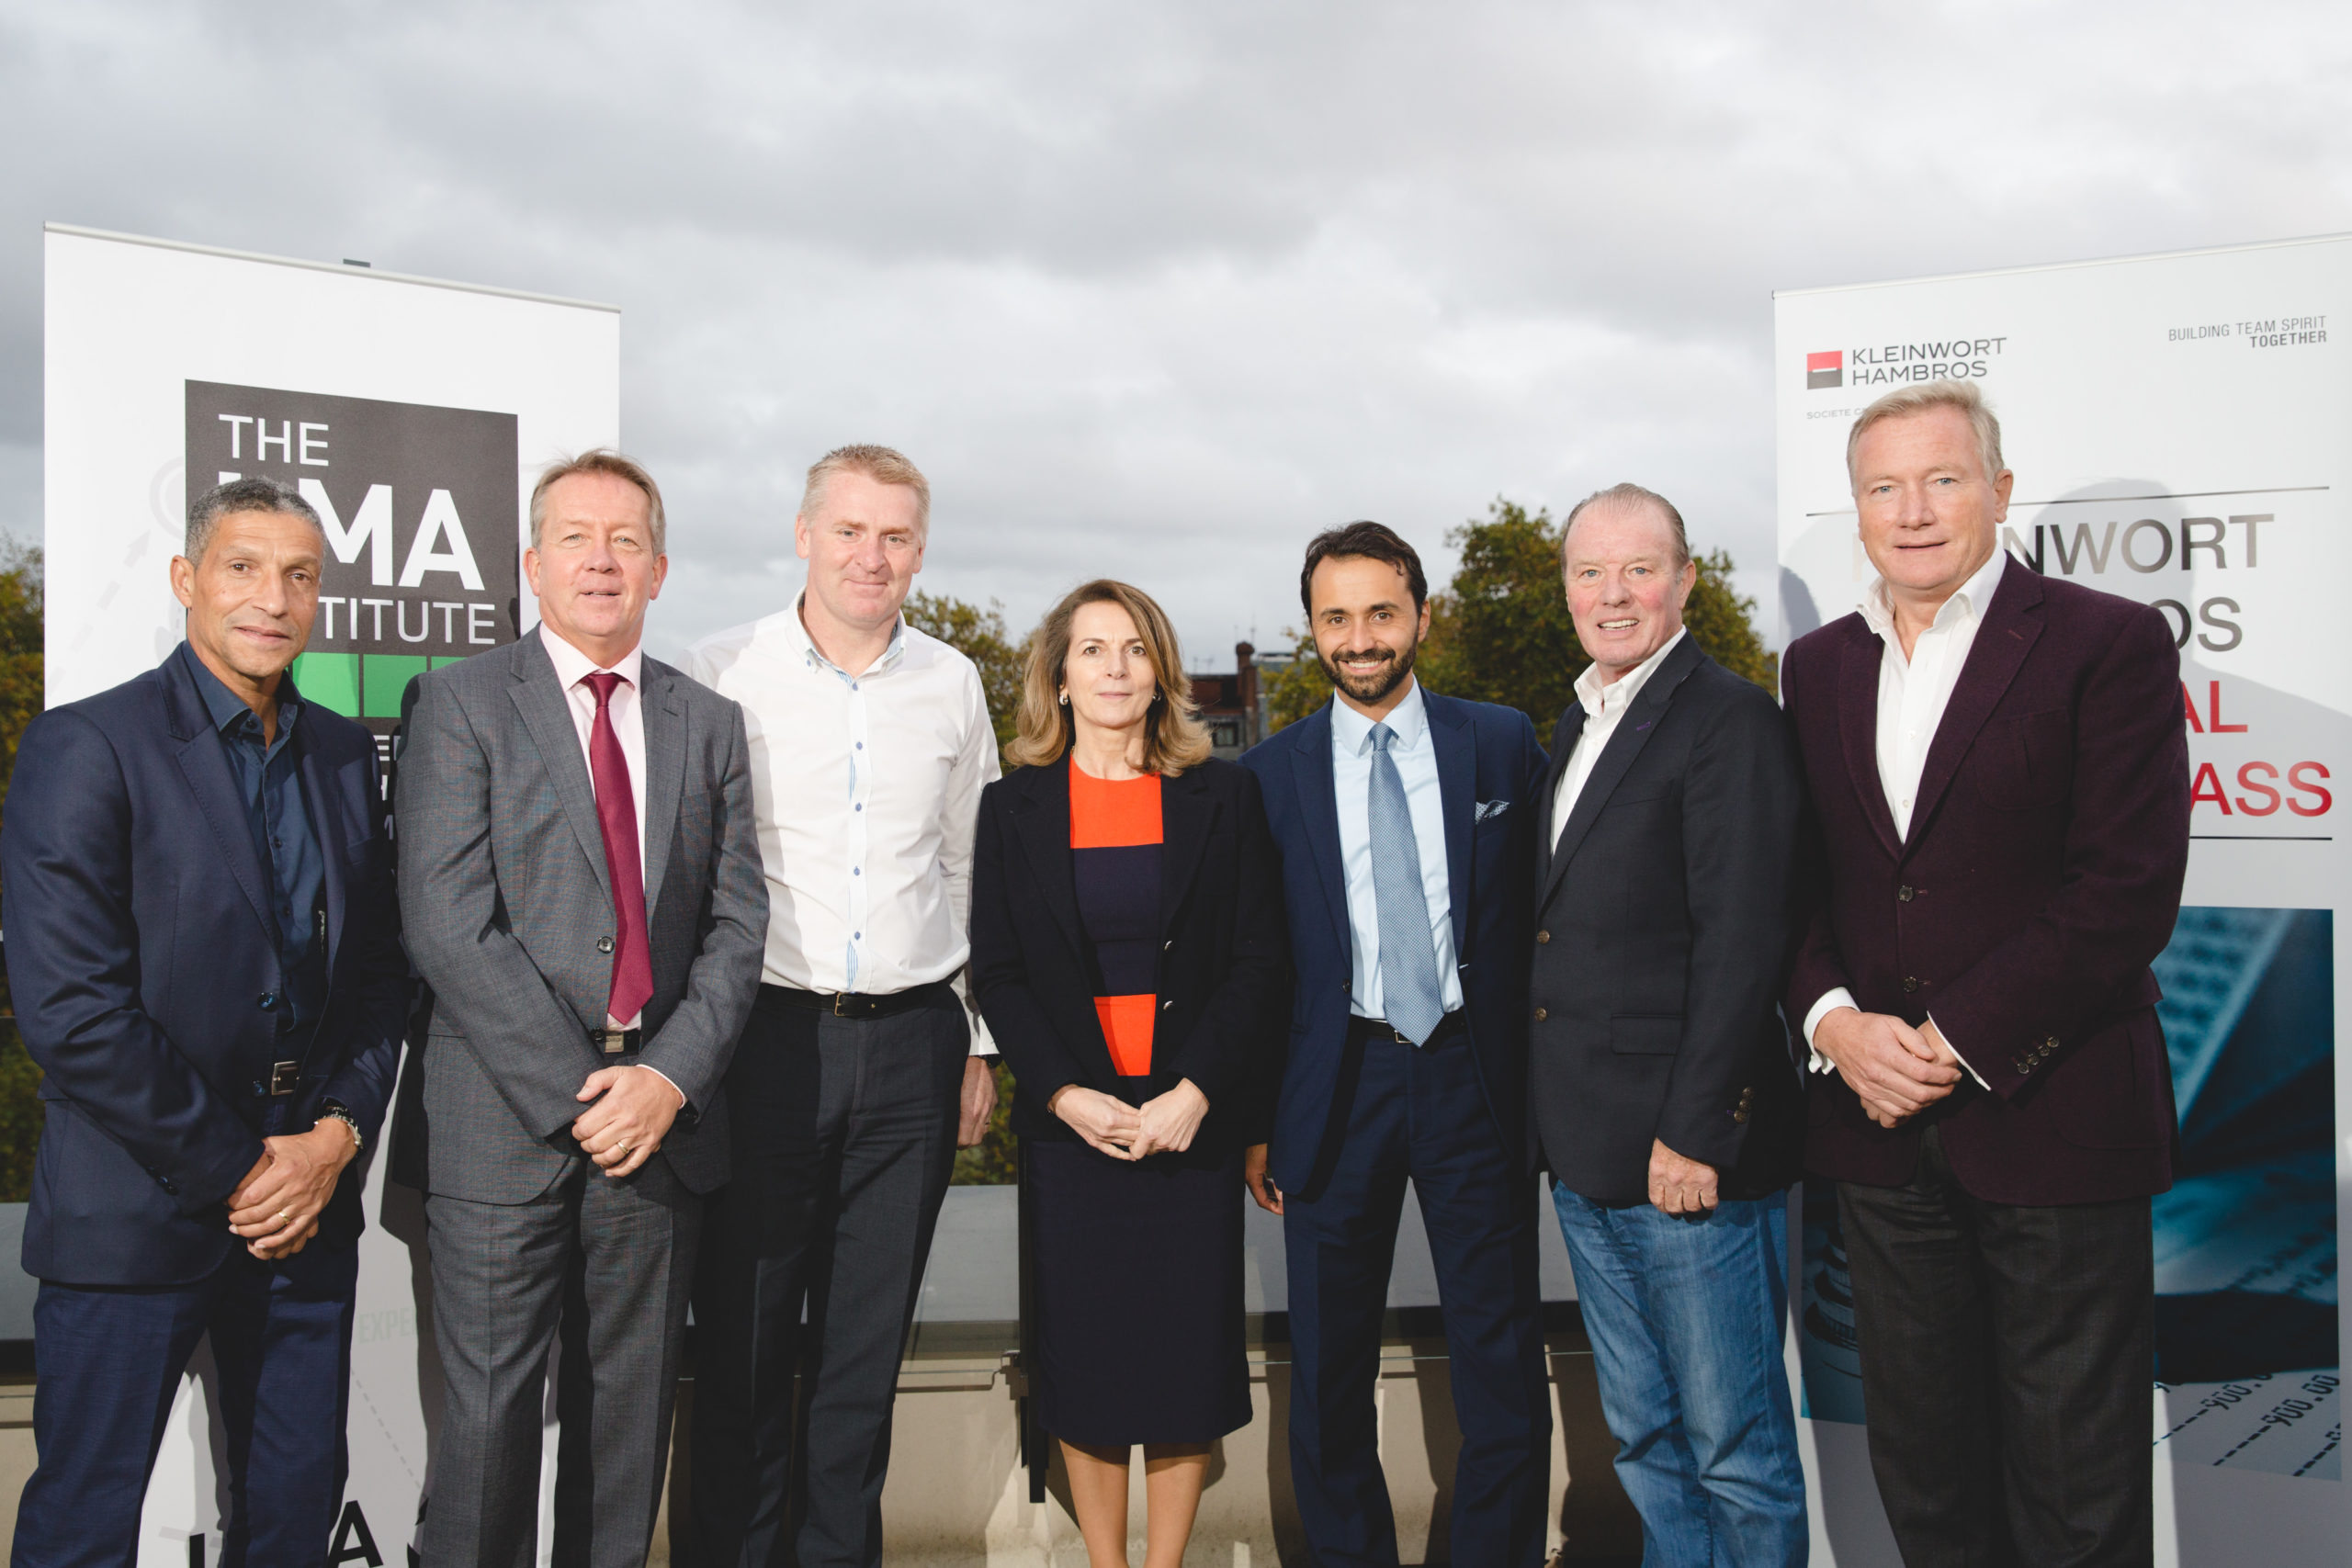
pixel 1174 738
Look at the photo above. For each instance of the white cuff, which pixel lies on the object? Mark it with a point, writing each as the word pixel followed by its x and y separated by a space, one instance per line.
pixel 1952 1054
pixel 666 1079
pixel 1831 1001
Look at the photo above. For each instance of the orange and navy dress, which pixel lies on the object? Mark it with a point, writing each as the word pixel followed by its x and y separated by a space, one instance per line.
pixel 1137 1269
pixel 1115 857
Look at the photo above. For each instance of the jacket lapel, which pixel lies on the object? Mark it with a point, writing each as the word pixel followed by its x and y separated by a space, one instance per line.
pixel 547 716
pixel 1858 676
pixel 1041 816
pixel 1457 791
pixel 2006 636
pixel 205 765
pixel 1625 743
pixel 665 712
pixel 1319 800
pixel 1186 813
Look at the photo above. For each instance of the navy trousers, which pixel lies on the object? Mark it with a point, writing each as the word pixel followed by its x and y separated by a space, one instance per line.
pixel 1419 1113
pixel 109 1362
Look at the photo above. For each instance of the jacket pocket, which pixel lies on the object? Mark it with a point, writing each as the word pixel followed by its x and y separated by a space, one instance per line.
pixel 2026 763
pixel 1646 1035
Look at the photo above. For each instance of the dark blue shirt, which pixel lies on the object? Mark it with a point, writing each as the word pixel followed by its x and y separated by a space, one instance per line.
pixel 269 782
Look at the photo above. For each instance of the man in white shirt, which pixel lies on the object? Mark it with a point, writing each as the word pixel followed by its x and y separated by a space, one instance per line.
pixel 1998 771
pixel 1665 1101
pixel 580 888
pixel 863 1066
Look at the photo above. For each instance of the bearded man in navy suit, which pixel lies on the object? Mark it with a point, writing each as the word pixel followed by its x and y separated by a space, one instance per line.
pixel 1406 833
pixel 1998 769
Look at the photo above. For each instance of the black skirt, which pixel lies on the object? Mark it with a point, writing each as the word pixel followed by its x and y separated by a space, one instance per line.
pixel 1137 1271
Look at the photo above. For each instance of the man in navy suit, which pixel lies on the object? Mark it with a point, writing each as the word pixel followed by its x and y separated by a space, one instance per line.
pixel 204 952
pixel 1405 827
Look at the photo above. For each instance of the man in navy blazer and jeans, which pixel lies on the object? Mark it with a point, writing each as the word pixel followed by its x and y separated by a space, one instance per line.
pixel 1405 827
pixel 204 952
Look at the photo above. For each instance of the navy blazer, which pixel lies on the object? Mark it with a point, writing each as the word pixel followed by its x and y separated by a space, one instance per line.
pixel 1489 770
pixel 139 951
pixel 2040 878
pixel 1221 967
pixel 1664 922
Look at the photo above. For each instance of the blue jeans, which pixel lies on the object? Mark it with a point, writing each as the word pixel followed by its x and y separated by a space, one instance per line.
pixel 1685 1318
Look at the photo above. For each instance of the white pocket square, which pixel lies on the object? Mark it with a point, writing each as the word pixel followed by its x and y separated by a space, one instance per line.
pixel 1488 808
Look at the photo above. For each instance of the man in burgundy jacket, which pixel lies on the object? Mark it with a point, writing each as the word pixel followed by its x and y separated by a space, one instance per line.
pixel 1999 779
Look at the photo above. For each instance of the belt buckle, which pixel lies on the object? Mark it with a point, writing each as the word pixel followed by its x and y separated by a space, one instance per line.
pixel 284 1077
pixel 839 997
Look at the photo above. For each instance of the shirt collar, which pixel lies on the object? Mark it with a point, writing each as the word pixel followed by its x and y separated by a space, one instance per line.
pixel 815 656
pixel 225 708
pixel 1409 721
pixel 1971 598
pixel 572 666
pixel 1613 697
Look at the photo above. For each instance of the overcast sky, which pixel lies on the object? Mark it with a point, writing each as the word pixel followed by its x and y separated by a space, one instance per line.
pixel 1158 290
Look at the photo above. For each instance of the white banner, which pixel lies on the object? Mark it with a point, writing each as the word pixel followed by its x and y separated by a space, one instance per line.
pixel 2178 427
pixel 414 415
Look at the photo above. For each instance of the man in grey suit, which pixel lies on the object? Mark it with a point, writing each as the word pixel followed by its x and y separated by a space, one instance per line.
pixel 581 889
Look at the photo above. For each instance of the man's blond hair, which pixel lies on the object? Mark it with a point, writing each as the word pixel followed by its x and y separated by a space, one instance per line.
pixel 1905 401
pixel 883 465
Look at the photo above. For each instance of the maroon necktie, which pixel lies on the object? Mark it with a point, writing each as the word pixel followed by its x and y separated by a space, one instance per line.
pixel 616 820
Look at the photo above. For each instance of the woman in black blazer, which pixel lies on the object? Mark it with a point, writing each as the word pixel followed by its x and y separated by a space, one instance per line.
pixel 1127 951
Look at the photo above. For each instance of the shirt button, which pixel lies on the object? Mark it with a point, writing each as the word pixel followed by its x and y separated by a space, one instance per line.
pixel 860 806
pixel 857 871
pixel 861 745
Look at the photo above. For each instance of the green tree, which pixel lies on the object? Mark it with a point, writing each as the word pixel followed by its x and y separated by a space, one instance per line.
pixel 20 698
pixel 980 636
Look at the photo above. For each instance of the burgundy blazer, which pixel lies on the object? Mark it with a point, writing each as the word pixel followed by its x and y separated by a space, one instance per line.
pixel 2041 876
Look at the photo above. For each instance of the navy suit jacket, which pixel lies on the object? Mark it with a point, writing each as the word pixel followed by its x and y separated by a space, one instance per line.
pixel 140 948
pixel 1489 769
pixel 2041 877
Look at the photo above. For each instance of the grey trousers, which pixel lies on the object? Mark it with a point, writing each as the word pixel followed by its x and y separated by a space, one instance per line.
pixel 844 1137
pixel 608 1263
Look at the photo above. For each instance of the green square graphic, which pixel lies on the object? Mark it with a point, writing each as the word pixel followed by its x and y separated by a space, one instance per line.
pixel 388 676
pixel 331 680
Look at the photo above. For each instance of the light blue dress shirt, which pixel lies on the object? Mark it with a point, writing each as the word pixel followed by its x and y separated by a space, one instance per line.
pixel 1416 757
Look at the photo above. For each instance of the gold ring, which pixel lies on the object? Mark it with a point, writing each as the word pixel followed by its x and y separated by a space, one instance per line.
pixel 621 1147
pixel 284 1216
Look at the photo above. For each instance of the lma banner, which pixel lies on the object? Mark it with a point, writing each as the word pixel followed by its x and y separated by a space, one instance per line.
pixel 2179 428
pixel 414 415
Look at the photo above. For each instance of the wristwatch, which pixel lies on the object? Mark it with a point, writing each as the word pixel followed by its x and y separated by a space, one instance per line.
pixel 334 1111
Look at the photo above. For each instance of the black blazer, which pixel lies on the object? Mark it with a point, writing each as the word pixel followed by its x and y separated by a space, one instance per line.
pixel 1222 967
pixel 1664 929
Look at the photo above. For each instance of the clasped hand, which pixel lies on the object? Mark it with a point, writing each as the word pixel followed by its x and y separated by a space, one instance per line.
pixel 275 1209
pixel 1897 1071
pixel 1164 1123
pixel 632 1114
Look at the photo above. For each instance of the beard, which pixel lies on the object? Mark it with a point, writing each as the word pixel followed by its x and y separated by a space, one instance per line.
pixel 1374 687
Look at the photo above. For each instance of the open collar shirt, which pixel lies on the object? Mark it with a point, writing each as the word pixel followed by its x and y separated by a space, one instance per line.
pixel 866 788
pixel 1913 692
pixel 1604 704
pixel 1415 755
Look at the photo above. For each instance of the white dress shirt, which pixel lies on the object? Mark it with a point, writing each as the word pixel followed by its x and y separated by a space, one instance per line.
pixel 1603 706
pixel 1415 755
pixel 572 669
pixel 867 793
pixel 1912 696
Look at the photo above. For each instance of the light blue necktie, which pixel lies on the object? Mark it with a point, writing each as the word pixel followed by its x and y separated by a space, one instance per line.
pixel 1408 988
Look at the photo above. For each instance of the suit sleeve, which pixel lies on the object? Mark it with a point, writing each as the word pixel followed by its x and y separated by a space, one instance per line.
pixel 1818 968
pixel 973 772
pixel 1041 1064
pixel 1225 1055
pixel 2119 888
pixel 697 1040
pixel 1740 805
pixel 375 974
pixel 454 916
pixel 74 949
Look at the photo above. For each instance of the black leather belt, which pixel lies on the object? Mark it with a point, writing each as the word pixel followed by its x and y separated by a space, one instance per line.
pixel 1447 1028
pixel 616 1042
pixel 860 1004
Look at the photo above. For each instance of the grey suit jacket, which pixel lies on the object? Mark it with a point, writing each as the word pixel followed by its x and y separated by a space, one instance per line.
pixel 505 897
